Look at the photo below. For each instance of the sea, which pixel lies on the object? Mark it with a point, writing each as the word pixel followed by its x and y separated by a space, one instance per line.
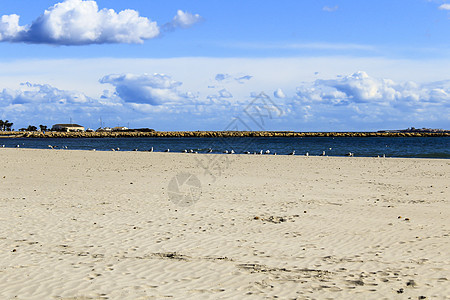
pixel 417 147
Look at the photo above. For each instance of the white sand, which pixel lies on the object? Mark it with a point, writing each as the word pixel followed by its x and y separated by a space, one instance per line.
pixel 99 225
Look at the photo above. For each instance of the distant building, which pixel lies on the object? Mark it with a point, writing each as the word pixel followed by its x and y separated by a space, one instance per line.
pixel 67 127
pixel 103 129
pixel 119 128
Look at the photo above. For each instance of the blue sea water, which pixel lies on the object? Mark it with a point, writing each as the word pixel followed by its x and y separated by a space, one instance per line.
pixel 419 147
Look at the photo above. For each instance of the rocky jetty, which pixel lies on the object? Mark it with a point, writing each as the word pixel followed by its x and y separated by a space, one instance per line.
pixel 218 134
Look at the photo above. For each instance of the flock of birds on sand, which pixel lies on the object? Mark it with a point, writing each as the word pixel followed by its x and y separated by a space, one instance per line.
pixel 210 150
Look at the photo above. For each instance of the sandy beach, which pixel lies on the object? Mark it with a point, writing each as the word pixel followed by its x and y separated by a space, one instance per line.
pixel 112 225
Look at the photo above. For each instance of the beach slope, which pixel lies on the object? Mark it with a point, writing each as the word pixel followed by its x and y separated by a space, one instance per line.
pixel 139 225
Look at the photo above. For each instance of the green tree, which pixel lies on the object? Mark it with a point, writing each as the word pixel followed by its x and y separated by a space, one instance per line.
pixel 43 128
pixel 31 128
pixel 2 125
pixel 8 125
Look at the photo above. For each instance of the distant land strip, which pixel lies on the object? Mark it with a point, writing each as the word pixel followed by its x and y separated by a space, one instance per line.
pixel 213 134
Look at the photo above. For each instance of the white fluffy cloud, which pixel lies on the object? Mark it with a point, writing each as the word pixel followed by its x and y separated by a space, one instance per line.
pixel 361 88
pixel 80 22
pixel 44 104
pixel 153 89
pixel 183 20
pixel 445 6
pixel 9 27
pixel 41 94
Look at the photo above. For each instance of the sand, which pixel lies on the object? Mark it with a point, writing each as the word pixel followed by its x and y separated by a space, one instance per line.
pixel 110 225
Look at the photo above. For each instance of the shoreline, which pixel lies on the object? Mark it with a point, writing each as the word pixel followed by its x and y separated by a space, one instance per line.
pixel 214 134
pixel 229 154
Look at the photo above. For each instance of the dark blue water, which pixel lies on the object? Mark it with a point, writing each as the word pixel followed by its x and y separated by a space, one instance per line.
pixel 421 147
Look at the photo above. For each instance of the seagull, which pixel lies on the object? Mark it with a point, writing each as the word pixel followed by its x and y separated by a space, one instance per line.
pixel 323 153
pixel 307 154
pixel 117 149
pixel 349 154
pixel 17 146
pixel 274 153
pixel 184 151
pixel 209 150
pixel 246 152
pixel 51 147
pixel 267 152
pixel 232 151
pixel 113 149
pixel 226 151
pixel 167 150
pixel 292 153
pixel 136 149
pixel 151 149
pixel 384 155
pixel 65 147
pixel 260 152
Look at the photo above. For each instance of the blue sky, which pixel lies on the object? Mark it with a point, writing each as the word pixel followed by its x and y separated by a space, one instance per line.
pixel 196 65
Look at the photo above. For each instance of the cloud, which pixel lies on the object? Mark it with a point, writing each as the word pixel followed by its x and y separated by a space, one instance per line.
pixel 444 6
pixel 218 99
pixel 279 94
pixel 182 20
pixel 80 22
pixel 46 104
pixel 242 79
pixel 41 94
pixel 222 77
pixel 330 8
pixel 153 89
pixel 360 88
pixel 9 27
pixel 224 93
pixel 421 97
pixel 362 102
